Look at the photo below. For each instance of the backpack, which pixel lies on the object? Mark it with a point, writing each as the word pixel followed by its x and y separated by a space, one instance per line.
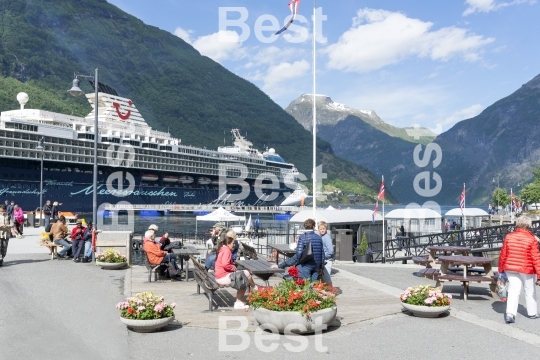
pixel 173 245
pixel 239 280
pixel 502 286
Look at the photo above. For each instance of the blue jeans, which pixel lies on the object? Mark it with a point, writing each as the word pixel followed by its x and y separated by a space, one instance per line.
pixel 309 272
pixel 47 220
pixel 88 249
pixel 210 261
pixel 65 244
pixel 170 261
pixel 78 246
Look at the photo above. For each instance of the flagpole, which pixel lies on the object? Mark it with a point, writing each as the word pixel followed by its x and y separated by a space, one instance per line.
pixel 314 111
pixel 464 206
pixel 384 230
pixel 511 206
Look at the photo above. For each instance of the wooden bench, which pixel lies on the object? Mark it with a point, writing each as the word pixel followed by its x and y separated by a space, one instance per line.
pixel 465 281
pixel 150 268
pixel 251 254
pixel 52 246
pixel 429 273
pixel 206 281
pixel 421 260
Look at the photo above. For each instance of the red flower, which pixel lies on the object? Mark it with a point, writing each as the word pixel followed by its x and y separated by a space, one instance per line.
pixel 130 310
pixel 300 282
pixel 293 271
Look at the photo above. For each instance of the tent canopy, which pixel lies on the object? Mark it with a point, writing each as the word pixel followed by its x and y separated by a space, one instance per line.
pixel 414 213
pixel 335 217
pixel 220 215
pixel 471 212
pixel 330 208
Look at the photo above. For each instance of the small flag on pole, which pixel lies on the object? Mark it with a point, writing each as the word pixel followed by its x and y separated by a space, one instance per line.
pixel 462 199
pixel 513 198
pixel 293 6
pixel 379 197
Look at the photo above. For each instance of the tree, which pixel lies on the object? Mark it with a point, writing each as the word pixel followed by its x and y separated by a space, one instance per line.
pixel 500 197
pixel 531 192
pixel 363 247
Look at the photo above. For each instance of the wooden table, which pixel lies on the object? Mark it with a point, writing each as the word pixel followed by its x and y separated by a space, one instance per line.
pixel 183 254
pixel 284 250
pixel 445 250
pixel 259 268
pixel 466 262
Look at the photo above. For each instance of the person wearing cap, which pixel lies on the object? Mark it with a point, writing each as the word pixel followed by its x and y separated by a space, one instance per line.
pixel 59 231
pixel 218 235
pixel 87 237
pixel 77 239
pixel 157 256
pixel 46 212
pixel 163 241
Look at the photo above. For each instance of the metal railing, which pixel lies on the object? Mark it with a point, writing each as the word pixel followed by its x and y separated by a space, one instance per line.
pixel 402 249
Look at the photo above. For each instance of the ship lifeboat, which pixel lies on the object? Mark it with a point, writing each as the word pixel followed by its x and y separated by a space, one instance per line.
pixel 217 182
pixel 149 177
pixel 203 180
pixel 170 178
pixel 185 179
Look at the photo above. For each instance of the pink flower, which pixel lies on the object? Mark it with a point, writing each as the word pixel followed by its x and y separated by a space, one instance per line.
pixel 159 308
pixel 173 305
pixel 448 295
pixel 429 301
pixel 141 308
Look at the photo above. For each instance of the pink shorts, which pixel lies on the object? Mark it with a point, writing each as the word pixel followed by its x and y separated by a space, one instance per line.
pixel 226 280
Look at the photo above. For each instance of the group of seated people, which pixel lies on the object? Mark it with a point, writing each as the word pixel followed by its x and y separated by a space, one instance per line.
pixel 81 238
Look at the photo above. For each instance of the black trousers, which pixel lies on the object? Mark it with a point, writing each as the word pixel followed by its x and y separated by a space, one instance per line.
pixel 3 249
pixel 77 247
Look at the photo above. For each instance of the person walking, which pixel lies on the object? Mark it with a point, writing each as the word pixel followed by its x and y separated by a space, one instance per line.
pixel 46 212
pixel 54 210
pixel 5 232
pixel 18 220
pixel 328 248
pixel 520 260
pixel 310 269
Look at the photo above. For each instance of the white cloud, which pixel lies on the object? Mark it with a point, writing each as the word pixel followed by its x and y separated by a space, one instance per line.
pixel 184 34
pixel 223 45
pixel 462 114
pixel 278 77
pixel 379 38
pixel 474 6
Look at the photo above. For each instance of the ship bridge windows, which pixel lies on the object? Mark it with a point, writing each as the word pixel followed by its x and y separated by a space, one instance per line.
pixel 18 126
pixel 85 136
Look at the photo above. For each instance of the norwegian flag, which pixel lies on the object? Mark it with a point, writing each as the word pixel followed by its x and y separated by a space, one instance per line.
pixel 462 199
pixel 379 197
pixel 513 198
pixel 293 6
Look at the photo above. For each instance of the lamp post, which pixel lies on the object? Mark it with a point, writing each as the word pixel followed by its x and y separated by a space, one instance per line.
pixel 41 147
pixel 76 91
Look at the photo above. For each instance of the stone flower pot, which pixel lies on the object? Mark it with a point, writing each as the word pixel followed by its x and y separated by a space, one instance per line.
pixel 146 326
pixel 281 319
pixel 426 311
pixel 111 266
pixel 363 258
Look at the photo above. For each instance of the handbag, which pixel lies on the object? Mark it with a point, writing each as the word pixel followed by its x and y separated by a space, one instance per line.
pixel 239 280
pixel 307 253
pixel 502 286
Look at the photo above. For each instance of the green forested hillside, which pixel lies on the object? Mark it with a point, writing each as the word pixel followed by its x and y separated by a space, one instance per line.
pixel 174 87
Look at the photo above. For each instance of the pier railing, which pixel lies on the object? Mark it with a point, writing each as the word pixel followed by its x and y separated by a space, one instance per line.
pixel 480 240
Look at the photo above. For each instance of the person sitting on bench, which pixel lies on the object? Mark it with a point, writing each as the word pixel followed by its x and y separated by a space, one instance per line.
pixel 225 267
pixel 59 232
pixel 157 256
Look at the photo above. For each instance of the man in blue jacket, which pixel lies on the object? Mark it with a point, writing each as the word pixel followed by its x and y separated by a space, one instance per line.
pixel 310 270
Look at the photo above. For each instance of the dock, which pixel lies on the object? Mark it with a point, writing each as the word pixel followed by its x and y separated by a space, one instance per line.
pixel 205 207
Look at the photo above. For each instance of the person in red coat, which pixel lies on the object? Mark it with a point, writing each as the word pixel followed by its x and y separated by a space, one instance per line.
pixel 520 260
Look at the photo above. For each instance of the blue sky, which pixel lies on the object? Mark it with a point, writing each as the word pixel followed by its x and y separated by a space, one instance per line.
pixel 414 62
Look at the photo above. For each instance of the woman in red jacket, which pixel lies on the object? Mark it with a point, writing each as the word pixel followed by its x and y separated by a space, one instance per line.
pixel 520 260
pixel 224 267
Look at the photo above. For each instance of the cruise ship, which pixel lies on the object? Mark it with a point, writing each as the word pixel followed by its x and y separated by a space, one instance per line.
pixel 155 167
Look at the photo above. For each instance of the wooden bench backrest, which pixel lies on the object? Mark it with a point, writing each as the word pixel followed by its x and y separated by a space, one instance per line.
pixel 249 252
pixel 201 273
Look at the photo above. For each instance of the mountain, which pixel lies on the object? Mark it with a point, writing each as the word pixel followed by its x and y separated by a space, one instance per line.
pixel 175 88
pixel 503 142
pixel 330 113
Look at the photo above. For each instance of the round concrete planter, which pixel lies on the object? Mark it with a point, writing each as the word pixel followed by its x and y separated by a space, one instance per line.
pixel 297 323
pixel 146 326
pixel 111 266
pixel 425 311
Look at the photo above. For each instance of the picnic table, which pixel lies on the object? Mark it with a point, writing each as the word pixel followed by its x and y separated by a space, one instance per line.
pixel 184 254
pixel 465 278
pixel 284 250
pixel 445 250
pixel 260 268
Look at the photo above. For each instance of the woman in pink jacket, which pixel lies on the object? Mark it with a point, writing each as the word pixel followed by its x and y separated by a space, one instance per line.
pixel 18 216
pixel 224 267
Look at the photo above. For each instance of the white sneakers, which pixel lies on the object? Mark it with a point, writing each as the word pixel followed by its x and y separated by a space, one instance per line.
pixel 239 305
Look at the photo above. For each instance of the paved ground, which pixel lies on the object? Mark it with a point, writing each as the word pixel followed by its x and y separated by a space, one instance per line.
pixel 61 310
